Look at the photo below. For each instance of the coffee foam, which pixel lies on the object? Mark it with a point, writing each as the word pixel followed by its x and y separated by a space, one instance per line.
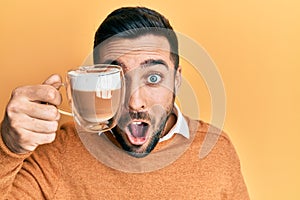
pixel 102 81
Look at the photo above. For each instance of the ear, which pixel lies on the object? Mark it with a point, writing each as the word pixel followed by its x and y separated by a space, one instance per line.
pixel 177 78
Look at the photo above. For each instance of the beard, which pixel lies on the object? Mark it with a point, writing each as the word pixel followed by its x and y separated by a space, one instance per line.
pixel 154 125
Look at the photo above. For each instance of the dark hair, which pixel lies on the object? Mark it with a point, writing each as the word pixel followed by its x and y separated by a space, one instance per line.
pixel 132 22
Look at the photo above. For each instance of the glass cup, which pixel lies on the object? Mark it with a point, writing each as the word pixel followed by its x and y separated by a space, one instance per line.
pixel 96 94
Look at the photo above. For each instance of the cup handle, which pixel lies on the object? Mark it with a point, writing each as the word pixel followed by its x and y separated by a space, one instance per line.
pixel 62 111
pixel 65 113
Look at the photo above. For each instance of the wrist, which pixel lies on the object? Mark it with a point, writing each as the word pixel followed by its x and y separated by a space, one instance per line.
pixel 9 138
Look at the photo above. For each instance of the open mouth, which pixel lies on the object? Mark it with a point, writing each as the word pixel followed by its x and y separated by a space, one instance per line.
pixel 137 132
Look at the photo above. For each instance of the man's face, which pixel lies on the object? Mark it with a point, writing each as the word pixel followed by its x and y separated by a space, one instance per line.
pixel 151 81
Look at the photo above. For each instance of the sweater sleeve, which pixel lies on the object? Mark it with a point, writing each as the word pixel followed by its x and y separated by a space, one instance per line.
pixel 33 175
pixel 224 162
pixel 235 188
pixel 10 165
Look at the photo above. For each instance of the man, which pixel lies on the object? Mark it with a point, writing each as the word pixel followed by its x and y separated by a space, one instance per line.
pixel 152 153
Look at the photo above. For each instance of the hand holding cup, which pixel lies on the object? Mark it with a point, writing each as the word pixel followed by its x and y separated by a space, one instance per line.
pixel 31 117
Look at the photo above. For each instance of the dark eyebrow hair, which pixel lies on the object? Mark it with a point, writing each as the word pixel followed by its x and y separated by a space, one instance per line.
pixel 151 62
pixel 146 63
pixel 112 62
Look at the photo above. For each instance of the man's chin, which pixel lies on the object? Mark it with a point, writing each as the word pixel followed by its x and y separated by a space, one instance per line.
pixel 138 154
pixel 138 151
pixel 136 144
pixel 142 150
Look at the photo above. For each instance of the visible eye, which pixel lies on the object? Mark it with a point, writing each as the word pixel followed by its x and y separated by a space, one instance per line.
pixel 154 78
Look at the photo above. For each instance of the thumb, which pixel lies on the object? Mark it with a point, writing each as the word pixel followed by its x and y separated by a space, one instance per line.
pixel 54 80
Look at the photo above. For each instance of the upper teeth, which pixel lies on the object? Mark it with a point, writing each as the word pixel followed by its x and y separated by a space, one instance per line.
pixel 138 123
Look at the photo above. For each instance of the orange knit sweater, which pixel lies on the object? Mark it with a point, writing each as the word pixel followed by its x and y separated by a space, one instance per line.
pixel 65 169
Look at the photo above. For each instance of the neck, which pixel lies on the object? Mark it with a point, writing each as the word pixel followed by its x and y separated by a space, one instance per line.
pixel 169 124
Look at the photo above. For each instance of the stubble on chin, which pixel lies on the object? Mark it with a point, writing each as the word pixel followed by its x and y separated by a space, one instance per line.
pixel 143 150
pixel 157 126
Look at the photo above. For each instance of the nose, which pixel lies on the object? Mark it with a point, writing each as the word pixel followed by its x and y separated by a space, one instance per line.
pixel 137 100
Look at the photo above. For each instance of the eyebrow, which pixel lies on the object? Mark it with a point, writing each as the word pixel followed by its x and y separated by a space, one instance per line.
pixel 113 62
pixel 146 63
pixel 152 62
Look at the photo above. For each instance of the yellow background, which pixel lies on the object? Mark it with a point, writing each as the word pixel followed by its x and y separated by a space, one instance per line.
pixel 255 45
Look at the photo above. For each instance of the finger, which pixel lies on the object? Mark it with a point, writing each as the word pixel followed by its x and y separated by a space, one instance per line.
pixel 38 93
pixel 54 80
pixel 40 111
pixel 30 140
pixel 16 109
pixel 33 124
